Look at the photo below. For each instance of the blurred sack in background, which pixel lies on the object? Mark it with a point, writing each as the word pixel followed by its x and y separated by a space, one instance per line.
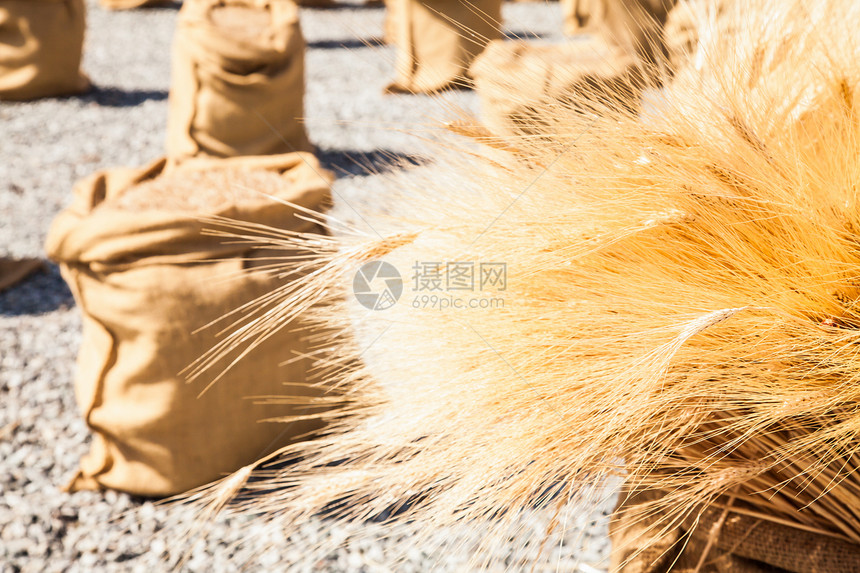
pixel 132 4
pixel 637 26
pixel 41 42
pixel 633 25
pixel 579 15
pixel 691 24
pixel 437 41
pixel 147 279
pixel 518 81
pixel 13 270
pixel 237 80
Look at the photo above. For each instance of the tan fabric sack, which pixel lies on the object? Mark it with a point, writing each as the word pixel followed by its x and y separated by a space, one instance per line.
pixel 41 43
pixel 633 25
pixel 637 26
pixel 146 279
pixel 237 80
pixel 517 81
pixel 741 544
pixel 437 40
pixel 686 21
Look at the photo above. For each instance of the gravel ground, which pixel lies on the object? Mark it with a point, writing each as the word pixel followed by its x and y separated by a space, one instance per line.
pixel 44 147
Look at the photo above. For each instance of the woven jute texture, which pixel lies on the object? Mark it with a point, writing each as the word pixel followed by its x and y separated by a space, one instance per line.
pixel 41 43
pixel 237 80
pixel 437 40
pixel 148 280
pixel 723 541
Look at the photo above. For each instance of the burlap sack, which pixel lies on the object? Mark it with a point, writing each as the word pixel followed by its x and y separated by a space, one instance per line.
pixel 389 29
pixel 41 42
pixel 637 25
pixel 132 4
pixel 237 80
pixel 516 80
pixel 437 40
pixel 146 279
pixel 741 544
pixel 580 16
pixel 331 3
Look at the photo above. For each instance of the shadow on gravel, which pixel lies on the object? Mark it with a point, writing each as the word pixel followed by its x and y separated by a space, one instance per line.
pixel 39 293
pixel 118 97
pixel 365 163
pixel 521 35
pixel 167 5
pixel 352 44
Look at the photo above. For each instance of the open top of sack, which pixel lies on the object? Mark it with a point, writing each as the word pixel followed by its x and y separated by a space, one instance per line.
pixel 125 215
pixel 236 34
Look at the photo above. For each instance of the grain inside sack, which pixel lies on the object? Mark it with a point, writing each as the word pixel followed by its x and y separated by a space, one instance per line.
pixel 41 43
pixel 237 80
pixel 147 281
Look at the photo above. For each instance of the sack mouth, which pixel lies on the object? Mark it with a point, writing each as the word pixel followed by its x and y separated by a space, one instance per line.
pixel 92 232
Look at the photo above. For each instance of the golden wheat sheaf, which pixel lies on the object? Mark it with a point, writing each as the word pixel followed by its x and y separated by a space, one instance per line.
pixel 679 304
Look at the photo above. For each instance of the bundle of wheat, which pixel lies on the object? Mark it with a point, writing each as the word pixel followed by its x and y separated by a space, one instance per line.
pixel 673 298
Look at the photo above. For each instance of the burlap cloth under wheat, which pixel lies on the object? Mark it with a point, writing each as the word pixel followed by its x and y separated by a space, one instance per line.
pixel 740 544
pixel 41 42
pixel 518 82
pixel 146 279
pixel 437 40
pixel 237 83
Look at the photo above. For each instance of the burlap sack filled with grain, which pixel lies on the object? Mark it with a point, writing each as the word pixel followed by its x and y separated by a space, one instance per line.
pixel 633 25
pixel 688 21
pixel 389 28
pixel 718 541
pixel 146 279
pixel 41 42
pixel 580 15
pixel 517 81
pixel 237 81
pixel 437 40
pixel 13 271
